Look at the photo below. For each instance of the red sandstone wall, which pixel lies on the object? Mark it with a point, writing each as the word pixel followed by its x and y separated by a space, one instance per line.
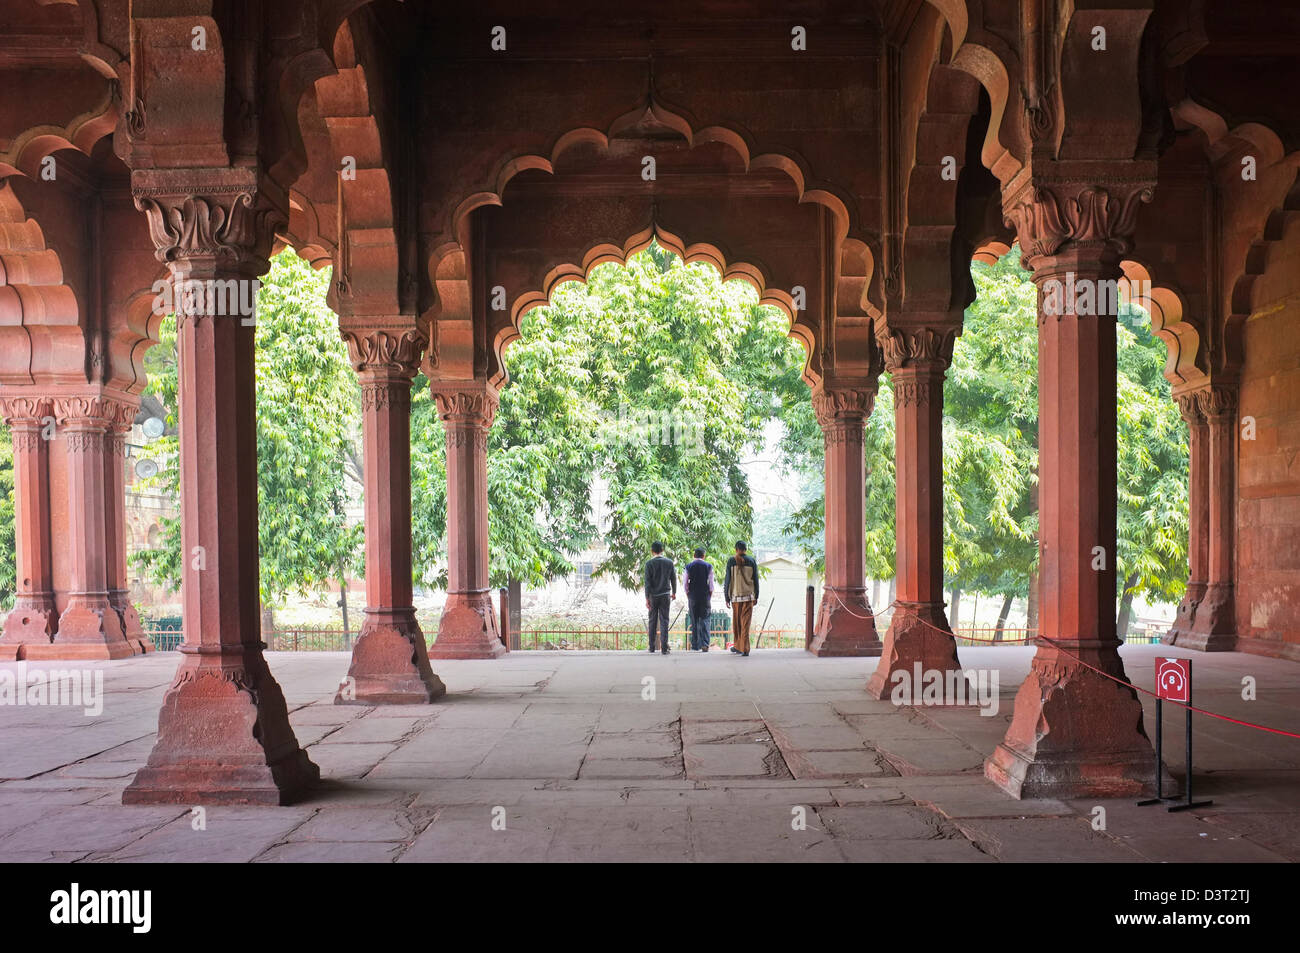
pixel 1268 508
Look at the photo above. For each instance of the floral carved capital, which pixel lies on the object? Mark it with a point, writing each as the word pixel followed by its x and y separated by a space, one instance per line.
pixel 396 353
pixel 476 407
pixel 839 407
pixel 231 227
pixel 916 347
pixel 1046 217
pixel 1217 402
pixel 26 410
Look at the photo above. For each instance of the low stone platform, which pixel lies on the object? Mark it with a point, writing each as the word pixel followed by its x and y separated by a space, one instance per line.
pixel 564 751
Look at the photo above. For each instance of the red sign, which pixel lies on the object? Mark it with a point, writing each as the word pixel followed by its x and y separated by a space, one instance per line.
pixel 1174 679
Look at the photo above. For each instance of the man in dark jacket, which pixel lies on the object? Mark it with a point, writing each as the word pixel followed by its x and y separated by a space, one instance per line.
pixel 699 593
pixel 741 592
pixel 660 589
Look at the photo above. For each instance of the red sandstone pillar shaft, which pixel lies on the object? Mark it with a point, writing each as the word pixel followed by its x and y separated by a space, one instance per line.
pixel 918 633
pixel 1215 626
pixel 115 531
pixel 223 732
pixel 468 628
pixel 846 624
pixel 89 627
pixel 1074 731
pixel 33 619
pixel 1198 534
pixel 390 662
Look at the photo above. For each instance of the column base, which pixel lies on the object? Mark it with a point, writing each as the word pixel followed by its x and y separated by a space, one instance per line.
pixel 86 632
pixel 1074 732
pixel 1214 627
pixel 468 628
pixel 846 626
pixel 919 638
pixel 131 627
pixel 390 664
pixel 27 626
pixel 223 738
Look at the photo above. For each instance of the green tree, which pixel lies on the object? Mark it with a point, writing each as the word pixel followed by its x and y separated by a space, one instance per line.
pixel 308 406
pixel 658 378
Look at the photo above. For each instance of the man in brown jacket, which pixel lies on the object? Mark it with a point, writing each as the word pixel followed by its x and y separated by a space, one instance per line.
pixel 740 589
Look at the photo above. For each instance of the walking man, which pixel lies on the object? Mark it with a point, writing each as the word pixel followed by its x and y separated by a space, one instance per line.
pixel 660 590
pixel 699 593
pixel 740 589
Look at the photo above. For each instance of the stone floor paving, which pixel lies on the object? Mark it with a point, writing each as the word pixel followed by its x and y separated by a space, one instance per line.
pixel 621 756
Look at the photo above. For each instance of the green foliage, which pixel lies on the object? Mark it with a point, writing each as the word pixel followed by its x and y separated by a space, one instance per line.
pixel 990 465
pixel 308 405
pixel 657 379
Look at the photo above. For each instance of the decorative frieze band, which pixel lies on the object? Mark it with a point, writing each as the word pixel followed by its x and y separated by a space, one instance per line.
pixel 912 392
pixel 465 435
pixel 386 395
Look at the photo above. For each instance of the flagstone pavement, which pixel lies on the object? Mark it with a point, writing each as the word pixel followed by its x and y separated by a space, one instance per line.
pixel 568 756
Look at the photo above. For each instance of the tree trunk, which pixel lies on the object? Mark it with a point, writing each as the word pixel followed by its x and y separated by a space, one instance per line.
pixel 975 611
pixel 1031 606
pixel 1002 618
pixel 516 599
pixel 954 611
pixel 343 604
pixel 268 626
pixel 1125 607
pixel 893 589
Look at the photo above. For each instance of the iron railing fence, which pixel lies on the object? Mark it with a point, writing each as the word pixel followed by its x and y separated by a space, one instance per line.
pixel 577 638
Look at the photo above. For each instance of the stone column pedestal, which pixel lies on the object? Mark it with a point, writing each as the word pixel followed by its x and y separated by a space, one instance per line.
pixel 33 619
pixel 1076 732
pixel 916 357
pixel 1214 627
pixel 223 732
pixel 468 628
pixel 390 661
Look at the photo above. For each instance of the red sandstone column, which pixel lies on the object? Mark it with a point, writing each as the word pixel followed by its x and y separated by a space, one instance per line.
pixel 223 732
pixel 33 619
pixel 1198 535
pixel 918 634
pixel 468 628
pixel 115 527
pixel 390 662
pixel 1214 628
pixel 89 627
pixel 1075 732
pixel 845 623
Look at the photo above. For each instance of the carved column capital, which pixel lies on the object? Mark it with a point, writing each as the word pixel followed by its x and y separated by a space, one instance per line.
pixel 1217 403
pixel 922 347
pixel 209 217
pixel 839 405
pixel 383 353
pixel 1051 213
pixel 470 404
pixel 25 410
pixel 1189 406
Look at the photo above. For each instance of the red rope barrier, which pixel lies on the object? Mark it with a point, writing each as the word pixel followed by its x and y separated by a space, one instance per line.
pixel 1056 645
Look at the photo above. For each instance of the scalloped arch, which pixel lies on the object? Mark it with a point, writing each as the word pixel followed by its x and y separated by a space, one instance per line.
pixel 1165 306
pixel 791 166
pixel 605 252
pixel 30 148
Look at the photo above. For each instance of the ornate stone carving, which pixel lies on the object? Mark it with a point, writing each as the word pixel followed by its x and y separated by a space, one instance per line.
pixel 1047 216
pixel 398 352
pixel 470 407
pixel 1217 402
pixel 29 409
pixel 1189 405
pixel 385 395
pixel 911 346
pixel 910 391
pixel 843 405
pixel 98 410
pixel 224 225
